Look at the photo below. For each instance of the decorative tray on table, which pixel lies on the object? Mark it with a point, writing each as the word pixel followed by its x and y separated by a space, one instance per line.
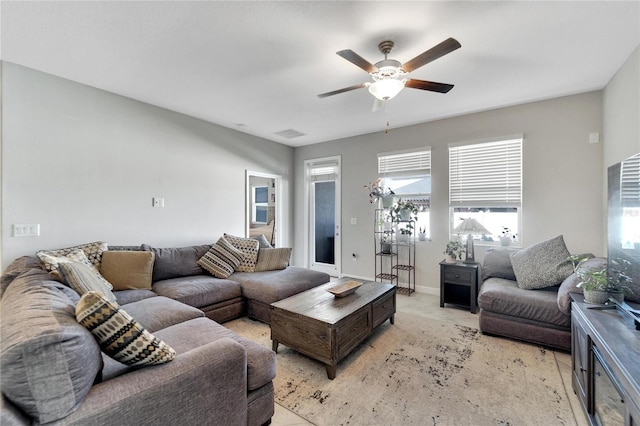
pixel 344 289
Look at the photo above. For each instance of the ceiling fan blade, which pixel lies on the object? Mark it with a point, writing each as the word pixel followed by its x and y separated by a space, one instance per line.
pixel 447 46
pixel 357 60
pixel 428 85
pixel 378 105
pixel 346 89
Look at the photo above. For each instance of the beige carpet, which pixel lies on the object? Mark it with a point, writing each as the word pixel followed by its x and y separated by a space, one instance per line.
pixel 422 372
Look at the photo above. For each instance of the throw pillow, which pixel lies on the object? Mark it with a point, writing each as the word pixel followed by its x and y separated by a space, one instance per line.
pixel 249 247
pixel 119 335
pixel 221 259
pixel 271 259
pixel 128 270
pixel 542 265
pixel 264 243
pixel 52 264
pixel 93 251
pixel 497 264
pixel 83 279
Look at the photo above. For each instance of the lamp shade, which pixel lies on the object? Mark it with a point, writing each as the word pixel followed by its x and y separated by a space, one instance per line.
pixel 470 226
pixel 386 89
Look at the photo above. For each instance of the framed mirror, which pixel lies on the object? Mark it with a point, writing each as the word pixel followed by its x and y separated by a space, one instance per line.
pixel 262 206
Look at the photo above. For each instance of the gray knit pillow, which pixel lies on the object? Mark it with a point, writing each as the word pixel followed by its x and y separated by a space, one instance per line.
pixel 542 265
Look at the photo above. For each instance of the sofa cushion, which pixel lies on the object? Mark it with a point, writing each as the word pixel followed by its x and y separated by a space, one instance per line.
pixel 17 267
pixel 505 297
pixel 249 247
pixel 570 284
pixel 199 290
pixel 176 261
pixel 261 361
pixel 124 297
pixel 156 313
pixel 128 270
pixel 497 264
pixel 119 335
pixel 83 279
pixel 48 362
pixel 542 265
pixel 272 259
pixel 262 240
pixel 221 259
pixel 271 286
pixel 93 251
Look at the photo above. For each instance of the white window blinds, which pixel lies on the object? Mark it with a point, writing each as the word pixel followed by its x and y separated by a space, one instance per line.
pixel 325 171
pixel 403 163
pixel 486 174
pixel 630 182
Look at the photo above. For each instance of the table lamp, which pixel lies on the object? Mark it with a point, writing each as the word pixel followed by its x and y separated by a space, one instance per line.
pixel 470 227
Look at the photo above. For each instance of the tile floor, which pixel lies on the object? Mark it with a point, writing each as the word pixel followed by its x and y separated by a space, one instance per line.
pixel 428 306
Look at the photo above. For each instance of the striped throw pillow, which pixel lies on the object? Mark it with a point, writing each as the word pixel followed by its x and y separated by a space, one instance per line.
pixel 222 259
pixel 271 259
pixel 84 279
pixel 119 335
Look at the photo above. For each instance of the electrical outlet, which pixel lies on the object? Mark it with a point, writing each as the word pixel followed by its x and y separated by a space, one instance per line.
pixel 157 202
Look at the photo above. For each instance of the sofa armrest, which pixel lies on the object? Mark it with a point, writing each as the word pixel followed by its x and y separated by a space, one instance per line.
pixel 207 384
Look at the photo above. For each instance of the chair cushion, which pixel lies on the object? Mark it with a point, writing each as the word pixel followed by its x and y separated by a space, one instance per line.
pixel 48 362
pixel 198 291
pixel 542 265
pixel 128 270
pixel 176 261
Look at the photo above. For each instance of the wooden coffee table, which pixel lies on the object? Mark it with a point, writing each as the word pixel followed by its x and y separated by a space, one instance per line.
pixel 327 328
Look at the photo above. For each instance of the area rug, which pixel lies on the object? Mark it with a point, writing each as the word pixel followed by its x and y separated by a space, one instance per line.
pixel 420 371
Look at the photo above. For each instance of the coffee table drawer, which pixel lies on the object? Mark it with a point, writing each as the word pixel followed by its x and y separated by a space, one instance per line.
pixel 352 331
pixel 383 309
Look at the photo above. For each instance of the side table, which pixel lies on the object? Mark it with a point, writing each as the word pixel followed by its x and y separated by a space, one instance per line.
pixel 459 284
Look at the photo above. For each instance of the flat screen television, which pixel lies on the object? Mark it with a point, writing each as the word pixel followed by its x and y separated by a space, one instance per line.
pixel 623 227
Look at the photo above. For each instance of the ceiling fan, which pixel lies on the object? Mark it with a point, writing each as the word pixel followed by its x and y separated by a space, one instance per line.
pixel 389 75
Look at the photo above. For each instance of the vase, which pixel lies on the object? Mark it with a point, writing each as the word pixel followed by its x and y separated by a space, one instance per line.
pixel 505 241
pixel 598 297
pixel 422 236
pixel 405 214
pixel 385 248
pixel 387 201
pixel 617 295
pixel 450 259
pixel 403 238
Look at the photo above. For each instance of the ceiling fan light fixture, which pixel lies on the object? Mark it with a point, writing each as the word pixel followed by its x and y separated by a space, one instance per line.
pixel 386 89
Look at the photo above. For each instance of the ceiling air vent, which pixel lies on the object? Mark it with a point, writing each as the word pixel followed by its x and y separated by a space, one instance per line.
pixel 289 133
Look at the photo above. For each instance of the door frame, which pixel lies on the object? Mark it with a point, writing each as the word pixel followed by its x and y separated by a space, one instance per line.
pixel 336 270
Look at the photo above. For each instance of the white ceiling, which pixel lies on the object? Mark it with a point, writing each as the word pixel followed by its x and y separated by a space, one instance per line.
pixel 257 66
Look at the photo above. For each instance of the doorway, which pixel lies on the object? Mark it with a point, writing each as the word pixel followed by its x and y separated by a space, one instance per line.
pixel 322 218
pixel 263 212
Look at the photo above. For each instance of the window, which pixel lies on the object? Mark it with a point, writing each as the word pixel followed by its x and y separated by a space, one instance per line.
pixel 408 175
pixel 260 204
pixel 485 183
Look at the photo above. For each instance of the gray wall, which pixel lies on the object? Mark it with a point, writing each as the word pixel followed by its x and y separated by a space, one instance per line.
pixel 562 187
pixel 85 164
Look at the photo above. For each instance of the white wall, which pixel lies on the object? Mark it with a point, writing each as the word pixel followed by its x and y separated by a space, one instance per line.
pixel 562 187
pixel 85 164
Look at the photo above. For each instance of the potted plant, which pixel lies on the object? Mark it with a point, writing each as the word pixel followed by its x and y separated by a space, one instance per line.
pixel 404 211
pixel 377 192
pixel 618 279
pixel 422 234
pixel 454 251
pixel 505 236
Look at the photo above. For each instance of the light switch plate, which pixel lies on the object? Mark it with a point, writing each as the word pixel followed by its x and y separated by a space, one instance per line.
pixel 26 230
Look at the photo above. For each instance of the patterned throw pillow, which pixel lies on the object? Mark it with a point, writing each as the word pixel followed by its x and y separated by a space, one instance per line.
pixel 249 247
pixel 84 279
pixel 93 251
pixel 120 336
pixel 52 262
pixel 542 265
pixel 271 259
pixel 221 259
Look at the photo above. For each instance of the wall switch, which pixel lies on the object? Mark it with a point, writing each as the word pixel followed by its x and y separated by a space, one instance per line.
pixel 32 230
pixel 594 138
pixel 157 202
pixel 354 220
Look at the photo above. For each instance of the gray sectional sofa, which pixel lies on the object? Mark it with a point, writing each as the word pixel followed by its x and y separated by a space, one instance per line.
pixel 53 371
pixel 538 315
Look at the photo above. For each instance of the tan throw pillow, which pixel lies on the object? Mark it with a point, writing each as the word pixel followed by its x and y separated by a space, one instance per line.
pixel 128 270
pixel 119 335
pixel 93 251
pixel 84 279
pixel 271 259
pixel 249 247
pixel 221 259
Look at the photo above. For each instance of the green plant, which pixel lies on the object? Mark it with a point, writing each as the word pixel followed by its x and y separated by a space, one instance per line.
pixel 618 277
pixel 376 190
pixel 455 249
pixel 593 279
pixel 401 205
